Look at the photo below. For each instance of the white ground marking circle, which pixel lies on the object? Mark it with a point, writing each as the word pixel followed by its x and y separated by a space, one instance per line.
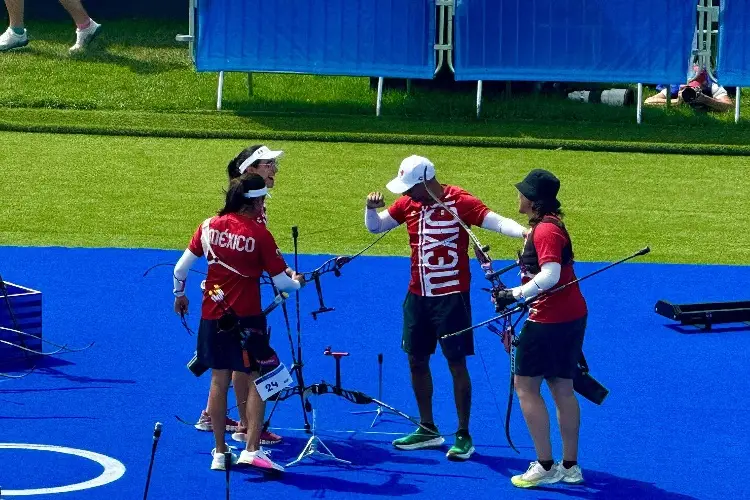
pixel 113 469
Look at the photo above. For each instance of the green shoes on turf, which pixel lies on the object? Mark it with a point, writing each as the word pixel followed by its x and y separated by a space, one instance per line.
pixel 419 439
pixel 462 449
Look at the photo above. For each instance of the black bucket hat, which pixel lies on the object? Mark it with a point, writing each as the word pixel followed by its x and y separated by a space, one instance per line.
pixel 541 186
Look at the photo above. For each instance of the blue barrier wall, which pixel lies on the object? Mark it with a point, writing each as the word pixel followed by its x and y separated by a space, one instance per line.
pixel 734 43
pixel 388 38
pixel 645 41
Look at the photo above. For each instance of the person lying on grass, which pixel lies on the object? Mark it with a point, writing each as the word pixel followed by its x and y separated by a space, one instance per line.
pixel 701 93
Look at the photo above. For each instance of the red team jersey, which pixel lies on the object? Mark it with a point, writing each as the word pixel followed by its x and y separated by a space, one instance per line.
pixel 246 245
pixel 565 305
pixel 439 247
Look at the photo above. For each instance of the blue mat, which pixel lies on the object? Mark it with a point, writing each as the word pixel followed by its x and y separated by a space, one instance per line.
pixel 674 422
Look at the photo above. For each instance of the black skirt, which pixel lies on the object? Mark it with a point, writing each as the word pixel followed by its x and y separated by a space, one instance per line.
pixel 222 350
pixel 550 350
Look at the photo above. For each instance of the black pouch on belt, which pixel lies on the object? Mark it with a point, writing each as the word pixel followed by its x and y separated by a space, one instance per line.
pixel 587 386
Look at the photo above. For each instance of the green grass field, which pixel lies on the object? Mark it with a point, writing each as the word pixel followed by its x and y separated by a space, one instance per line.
pixel 76 190
pixel 138 67
pixel 127 152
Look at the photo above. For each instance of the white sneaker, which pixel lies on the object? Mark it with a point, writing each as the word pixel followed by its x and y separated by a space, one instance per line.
pixel 85 36
pixel 536 475
pixel 572 475
pixel 260 460
pixel 10 40
pixel 218 462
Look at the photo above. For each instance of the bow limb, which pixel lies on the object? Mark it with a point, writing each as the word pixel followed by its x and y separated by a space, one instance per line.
pixel 170 264
pixel 326 267
pixel 32 351
pixel 64 348
pixel 509 411
pixel 334 264
pixel 505 314
pixel 6 375
pixel 358 397
pixel 510 332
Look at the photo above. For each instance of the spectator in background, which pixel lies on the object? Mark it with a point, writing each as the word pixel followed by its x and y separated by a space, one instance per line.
pixel 15 36
pixel 702 93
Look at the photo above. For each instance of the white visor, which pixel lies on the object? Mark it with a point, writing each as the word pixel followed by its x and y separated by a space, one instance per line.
pixel 256 193
pixel 262 153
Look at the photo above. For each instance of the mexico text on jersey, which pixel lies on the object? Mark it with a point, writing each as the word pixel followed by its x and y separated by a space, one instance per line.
pixel 439 247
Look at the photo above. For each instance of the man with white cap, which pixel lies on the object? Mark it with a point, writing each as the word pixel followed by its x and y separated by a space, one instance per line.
pixel 438 299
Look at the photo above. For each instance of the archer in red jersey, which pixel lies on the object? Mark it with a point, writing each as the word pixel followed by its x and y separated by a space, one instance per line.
pixel 233 337
pixel 261 160
pixel 551 341
pixel 438 301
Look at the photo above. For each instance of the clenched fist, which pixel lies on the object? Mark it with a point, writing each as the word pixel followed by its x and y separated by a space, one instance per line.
pixel 375 200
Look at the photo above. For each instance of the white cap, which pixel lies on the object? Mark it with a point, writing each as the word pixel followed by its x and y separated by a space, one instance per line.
pixel 412 171
pixel 262 153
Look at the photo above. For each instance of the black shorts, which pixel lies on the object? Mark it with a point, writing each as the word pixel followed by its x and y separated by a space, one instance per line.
pixel 549 350
pixel 428 318
pixel 222 350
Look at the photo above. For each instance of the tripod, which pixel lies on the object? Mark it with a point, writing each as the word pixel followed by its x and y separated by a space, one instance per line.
pixel 379 411
pixel 311 448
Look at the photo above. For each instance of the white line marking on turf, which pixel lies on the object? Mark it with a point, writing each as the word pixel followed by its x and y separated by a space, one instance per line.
pixel 113 469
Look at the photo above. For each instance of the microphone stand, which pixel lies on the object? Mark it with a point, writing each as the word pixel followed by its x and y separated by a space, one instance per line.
pixel 157 434
pixel 228 467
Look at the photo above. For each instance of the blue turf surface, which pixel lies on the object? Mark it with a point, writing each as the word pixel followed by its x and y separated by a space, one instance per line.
pixel 674 423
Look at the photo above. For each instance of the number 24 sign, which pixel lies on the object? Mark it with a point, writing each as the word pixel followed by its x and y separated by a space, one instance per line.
pixel 273 382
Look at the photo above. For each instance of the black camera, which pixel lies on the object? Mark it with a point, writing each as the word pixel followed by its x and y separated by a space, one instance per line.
pixel 690 94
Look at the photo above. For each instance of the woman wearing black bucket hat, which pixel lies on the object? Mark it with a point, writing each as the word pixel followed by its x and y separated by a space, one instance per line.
pixel 551 340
